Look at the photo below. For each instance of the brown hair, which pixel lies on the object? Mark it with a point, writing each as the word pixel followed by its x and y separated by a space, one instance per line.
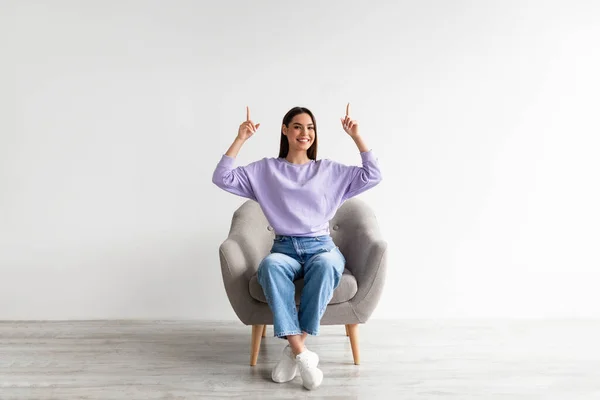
pixel 284 146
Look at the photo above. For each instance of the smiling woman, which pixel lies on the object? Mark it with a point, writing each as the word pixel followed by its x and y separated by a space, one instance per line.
pixel 298 136
pixel 299 195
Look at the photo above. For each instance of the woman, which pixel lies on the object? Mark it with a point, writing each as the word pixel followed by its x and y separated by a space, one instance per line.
pixel 298 195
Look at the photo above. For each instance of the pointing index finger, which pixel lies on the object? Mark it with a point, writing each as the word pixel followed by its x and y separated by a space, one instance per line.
pixel 247 113
pixel 347 109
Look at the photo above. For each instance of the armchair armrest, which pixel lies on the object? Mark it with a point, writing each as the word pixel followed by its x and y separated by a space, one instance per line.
pixel 369 271
pixel 234 267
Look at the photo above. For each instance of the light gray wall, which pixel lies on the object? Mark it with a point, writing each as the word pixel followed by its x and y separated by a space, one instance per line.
pixel 484 116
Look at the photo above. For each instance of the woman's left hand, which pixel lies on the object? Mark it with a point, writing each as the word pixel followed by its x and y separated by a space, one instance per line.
pixel 350 126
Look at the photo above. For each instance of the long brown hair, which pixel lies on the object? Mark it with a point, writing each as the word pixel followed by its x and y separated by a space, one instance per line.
pixel 284 145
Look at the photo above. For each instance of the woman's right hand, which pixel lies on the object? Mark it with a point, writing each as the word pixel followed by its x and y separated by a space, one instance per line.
pixel 247 128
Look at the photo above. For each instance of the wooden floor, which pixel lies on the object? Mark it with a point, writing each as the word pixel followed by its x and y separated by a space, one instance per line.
pixel 409 359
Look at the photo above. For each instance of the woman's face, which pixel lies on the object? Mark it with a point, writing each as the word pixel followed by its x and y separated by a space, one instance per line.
pixel 300 132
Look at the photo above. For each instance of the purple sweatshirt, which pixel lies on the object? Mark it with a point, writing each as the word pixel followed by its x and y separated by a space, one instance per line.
pixel 298 200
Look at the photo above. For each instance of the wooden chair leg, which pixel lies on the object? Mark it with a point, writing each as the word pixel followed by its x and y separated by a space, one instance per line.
pixel 353 333
pixel 256 337
pixel 347 333
pixel 264 333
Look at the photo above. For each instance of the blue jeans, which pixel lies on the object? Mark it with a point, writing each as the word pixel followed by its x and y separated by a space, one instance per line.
pixel 319 261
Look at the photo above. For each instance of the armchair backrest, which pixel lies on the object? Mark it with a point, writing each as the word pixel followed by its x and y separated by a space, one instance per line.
pixel 353 228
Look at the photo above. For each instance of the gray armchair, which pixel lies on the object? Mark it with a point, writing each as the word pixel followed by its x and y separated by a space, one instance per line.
pixel 355 231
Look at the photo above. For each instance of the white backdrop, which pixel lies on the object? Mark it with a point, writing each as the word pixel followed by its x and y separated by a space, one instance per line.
pixel 113 115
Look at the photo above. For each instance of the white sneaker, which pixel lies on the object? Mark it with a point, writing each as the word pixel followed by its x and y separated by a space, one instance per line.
pixel 287 368
pixel 307 362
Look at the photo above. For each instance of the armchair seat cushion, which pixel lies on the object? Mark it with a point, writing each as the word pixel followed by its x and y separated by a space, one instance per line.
pixel 344 292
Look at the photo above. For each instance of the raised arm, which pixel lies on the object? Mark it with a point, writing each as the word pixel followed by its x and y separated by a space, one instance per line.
pixel 359 179
pixel 245 132
pixel 236 180
pixel 351 128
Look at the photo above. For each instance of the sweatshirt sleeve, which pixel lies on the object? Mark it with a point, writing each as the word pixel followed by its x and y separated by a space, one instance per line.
pixel 233 180
pixel 359 179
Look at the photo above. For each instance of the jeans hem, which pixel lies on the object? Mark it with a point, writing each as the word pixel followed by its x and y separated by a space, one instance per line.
pixel 310 332
pixel 281 334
